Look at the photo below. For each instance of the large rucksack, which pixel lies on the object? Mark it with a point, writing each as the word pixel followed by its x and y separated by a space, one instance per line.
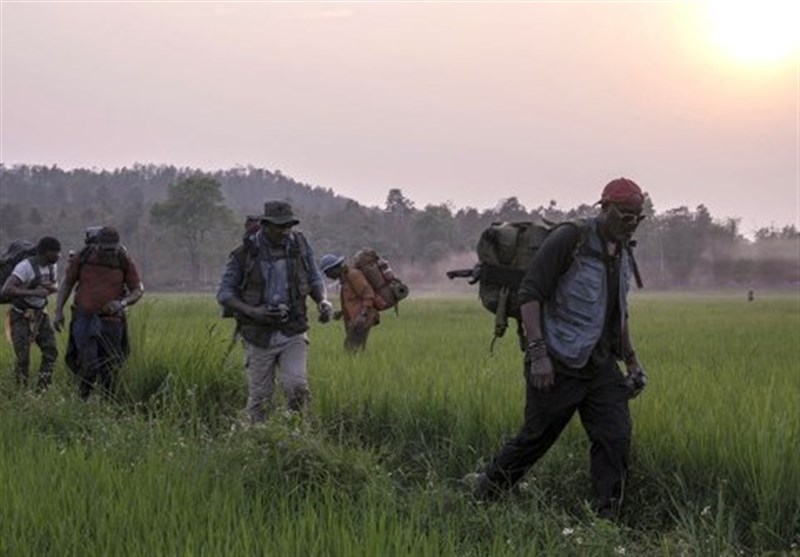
pixel 505 252
pixel 15 253
pixel 389 290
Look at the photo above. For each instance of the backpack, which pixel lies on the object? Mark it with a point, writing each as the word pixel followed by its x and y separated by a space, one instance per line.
pixel 389 290
pixel 14 254
pixel 505 252
pixel 122 262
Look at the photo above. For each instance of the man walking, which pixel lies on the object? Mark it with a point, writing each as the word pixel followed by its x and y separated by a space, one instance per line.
pixel 107 282
pixel 31 281
pixel 357 301
pixel 574 309
pixel 265 284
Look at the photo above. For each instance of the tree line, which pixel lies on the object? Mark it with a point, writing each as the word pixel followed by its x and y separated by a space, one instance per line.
pixel 180 224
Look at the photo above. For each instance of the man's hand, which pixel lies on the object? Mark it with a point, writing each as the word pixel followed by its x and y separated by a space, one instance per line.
pixel 540 367
pixel 113 307
pixel 40 292
pixel 636 379
pixel 268 315
pixel 51 287
pixel 542 374
pixel 325 309
pixel 58 320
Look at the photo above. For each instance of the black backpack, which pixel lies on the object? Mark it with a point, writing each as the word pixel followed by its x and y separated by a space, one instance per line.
pixel 11 257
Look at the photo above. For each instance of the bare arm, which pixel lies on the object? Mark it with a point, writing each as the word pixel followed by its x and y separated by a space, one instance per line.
pixel 532 319
pixel 63 295
pixel 13 289
pixel 628 353
pixel 540 372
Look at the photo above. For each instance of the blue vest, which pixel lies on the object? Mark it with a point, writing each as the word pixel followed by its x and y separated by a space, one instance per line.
pixel 574 317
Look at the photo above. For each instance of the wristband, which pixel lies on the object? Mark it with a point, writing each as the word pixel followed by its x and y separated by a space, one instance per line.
pixel 537 349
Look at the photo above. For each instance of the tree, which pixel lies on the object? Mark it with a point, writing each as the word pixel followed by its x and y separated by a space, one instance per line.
pixel 194 208
pixel 398 211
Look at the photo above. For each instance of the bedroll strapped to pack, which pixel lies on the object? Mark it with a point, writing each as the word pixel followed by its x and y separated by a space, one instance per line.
pixel 14 253
pixel 389 290
pixel 505 252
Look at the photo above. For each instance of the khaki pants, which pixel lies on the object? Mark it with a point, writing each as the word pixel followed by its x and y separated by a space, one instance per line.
pixel 287 356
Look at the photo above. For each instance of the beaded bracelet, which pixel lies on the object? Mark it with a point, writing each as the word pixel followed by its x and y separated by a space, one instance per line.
pixel 537 349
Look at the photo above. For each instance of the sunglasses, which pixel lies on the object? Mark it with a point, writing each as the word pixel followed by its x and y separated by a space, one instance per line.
pixel 628 218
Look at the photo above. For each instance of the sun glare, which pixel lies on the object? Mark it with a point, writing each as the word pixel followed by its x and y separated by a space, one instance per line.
pixel 756 31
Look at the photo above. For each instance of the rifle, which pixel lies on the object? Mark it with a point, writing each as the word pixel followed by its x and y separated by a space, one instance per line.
pixel 474 274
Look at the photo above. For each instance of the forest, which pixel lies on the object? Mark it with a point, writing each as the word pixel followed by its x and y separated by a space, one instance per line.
pixel 179 224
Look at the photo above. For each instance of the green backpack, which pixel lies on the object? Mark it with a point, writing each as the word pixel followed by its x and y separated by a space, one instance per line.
pixel 505 252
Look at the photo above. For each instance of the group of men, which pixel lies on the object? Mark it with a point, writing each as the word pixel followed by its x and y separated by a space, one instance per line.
pixel 106 282
pixel 573 305
pixel 575 316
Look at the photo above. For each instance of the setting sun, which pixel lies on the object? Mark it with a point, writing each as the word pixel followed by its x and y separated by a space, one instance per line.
pixel 751 31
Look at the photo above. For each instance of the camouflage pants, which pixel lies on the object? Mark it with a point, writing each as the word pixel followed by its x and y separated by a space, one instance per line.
pixel 26 328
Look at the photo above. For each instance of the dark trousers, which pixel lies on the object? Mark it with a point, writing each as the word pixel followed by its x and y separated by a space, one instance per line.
pixel 601 400
pixel 28 327
pixel 97 349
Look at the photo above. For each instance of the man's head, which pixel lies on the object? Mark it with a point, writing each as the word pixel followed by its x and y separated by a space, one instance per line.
pixel 107 238
pixel 48 249
pixel 331 265
pixel 621 202
pixel 278 219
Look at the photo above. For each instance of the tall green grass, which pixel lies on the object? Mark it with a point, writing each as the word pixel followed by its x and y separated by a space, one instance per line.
pixel 167 468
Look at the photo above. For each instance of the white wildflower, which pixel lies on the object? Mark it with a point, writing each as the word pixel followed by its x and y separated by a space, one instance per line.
pixel 619 550
pixel 567 532
pixel 706 511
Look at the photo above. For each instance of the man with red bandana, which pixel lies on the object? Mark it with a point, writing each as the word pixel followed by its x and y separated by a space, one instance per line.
pixel 574 309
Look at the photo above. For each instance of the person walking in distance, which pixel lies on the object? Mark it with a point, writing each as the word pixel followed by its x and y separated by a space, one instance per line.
pixel 357 301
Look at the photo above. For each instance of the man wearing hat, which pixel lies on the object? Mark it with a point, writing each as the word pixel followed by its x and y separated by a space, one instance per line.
pixel 357 300
pixel 107 282
pixel 265 284
pixel 575 312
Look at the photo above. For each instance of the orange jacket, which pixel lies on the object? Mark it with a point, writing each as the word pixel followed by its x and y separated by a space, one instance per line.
pixel 356 296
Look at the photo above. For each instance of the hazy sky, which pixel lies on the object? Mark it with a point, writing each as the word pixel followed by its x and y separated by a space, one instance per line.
pixel 465 103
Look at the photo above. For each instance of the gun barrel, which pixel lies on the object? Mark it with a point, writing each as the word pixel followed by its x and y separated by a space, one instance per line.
pixel 459 273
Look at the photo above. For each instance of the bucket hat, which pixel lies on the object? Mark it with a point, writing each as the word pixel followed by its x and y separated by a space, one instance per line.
pixel 279 213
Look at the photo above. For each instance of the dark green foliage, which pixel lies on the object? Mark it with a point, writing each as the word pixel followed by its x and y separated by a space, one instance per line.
pixel 678 246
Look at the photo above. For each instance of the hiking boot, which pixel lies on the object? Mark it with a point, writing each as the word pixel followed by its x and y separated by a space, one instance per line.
pixel 480 486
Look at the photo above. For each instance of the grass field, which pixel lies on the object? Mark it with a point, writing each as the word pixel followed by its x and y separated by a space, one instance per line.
pixel 167 468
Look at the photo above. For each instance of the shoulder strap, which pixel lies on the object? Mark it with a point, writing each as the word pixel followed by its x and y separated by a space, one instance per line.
pixel 37 271
pixel 634 266
pixel 300 245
